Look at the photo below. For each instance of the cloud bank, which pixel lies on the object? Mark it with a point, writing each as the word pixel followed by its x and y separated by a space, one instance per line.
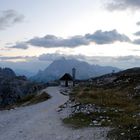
pixel 33 64
pixel 122 62
pixel 11 58
pixel 123 4
pixel 9 18
pixel 50 41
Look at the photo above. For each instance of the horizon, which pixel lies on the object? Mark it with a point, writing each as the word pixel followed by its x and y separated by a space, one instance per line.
pixel 99 32
pixel 16 69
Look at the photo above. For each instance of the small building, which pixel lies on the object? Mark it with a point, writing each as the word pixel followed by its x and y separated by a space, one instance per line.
pixel 66 80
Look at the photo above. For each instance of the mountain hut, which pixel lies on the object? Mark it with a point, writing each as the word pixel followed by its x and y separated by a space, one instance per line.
pixel 66 80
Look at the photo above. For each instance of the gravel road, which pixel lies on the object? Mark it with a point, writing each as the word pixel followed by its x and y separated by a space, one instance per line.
pixel 43 122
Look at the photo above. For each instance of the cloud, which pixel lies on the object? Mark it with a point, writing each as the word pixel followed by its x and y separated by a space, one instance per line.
pixel 122 62
pixel 21 45
pixel 137 33
pixel 9 18
pixel 138 23
pixel 55 56
pixel 50 57
pixel 11 58
pixel 107 37
pixel 136 50
pixel 123 4
pixel 136 42
pixel 50 41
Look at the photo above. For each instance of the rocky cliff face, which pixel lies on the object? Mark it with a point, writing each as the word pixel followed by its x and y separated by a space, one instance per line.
pixel 13 88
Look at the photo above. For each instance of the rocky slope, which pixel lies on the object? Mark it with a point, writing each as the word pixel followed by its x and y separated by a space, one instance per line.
pixel 112 100
pixel 129 77
pixel 13 88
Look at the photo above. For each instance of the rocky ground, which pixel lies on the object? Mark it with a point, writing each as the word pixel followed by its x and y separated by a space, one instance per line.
pixel 43 121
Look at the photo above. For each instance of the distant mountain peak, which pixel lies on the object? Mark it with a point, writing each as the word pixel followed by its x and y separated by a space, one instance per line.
pixel 61 66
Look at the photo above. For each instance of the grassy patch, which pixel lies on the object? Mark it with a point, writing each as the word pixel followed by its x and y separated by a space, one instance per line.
pixel 40 98
pixel 25 99
pixel 34 99
pixel 113 98
pixel 78 120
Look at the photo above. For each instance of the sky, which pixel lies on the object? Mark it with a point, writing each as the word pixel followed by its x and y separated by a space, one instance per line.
pixel 33 33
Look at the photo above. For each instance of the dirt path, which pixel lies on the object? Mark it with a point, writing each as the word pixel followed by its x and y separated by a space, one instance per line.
pixel 42 122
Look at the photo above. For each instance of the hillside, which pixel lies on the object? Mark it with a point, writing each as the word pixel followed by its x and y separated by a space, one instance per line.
pixel 61 66
pixel 13 88
pixel 112 100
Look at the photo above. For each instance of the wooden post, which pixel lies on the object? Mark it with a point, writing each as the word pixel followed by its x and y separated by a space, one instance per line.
pixel 73 76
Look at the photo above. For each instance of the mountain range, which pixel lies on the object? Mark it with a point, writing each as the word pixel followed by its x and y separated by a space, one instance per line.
pixel 61 66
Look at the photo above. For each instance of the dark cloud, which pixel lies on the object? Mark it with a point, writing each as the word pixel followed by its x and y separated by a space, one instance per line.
pixel 136 50
pixel 21 45
pixel 138 23
pixel 9 18
pixel 107 37
pixel 123 4
pixel 9 58
pixel 137 33
pixel 51 41
pixel 136 42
